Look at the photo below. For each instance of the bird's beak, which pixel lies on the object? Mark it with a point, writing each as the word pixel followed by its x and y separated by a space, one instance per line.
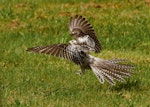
pixel 72 35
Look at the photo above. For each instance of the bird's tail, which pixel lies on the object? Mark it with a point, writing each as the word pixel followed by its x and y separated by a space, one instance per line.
pixel 111 69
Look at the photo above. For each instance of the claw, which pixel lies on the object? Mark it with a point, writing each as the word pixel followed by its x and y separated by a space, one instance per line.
pixel 80 72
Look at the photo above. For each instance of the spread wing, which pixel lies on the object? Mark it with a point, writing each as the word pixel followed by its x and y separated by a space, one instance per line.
pixel 65 51
pixel 79 26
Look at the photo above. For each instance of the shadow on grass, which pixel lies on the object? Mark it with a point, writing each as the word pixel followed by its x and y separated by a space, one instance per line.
pixel 128 86
pixel 68 91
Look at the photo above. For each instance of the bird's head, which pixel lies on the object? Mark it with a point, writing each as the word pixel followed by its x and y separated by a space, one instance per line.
pixel 76 33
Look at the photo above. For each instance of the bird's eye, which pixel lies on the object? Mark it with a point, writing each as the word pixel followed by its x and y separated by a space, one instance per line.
pixel 73 33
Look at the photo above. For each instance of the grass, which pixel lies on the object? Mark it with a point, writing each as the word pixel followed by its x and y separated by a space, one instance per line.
pixel 34 80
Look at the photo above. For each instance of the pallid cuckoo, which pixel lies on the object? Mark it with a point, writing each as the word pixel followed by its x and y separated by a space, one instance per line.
pixel 78 51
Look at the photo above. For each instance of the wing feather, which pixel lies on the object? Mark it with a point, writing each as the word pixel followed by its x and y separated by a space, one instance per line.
pixel 79 23
pixel 65 51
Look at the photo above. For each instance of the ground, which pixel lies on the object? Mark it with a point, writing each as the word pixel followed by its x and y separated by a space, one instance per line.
pixel 37 80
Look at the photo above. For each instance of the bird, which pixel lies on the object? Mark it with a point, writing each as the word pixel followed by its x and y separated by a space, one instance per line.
pixel 80 27
pixel 78 51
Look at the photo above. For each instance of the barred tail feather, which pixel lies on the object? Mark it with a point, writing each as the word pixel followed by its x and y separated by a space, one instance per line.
pixel 98 74
pixel 111 70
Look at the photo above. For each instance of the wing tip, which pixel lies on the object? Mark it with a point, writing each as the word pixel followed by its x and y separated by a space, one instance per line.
pixel 29 49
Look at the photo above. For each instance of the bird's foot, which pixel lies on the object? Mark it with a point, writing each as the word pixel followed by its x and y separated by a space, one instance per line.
pixel 79 72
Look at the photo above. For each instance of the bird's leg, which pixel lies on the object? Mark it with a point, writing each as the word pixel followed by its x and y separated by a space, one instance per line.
pixel 81 71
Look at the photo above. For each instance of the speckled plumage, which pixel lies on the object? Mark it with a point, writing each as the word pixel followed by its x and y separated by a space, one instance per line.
pixel 78 51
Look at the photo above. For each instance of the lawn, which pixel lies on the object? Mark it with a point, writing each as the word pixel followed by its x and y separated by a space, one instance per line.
pixel 36 80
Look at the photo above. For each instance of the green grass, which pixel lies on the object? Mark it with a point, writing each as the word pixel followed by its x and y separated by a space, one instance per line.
pixel 36 80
